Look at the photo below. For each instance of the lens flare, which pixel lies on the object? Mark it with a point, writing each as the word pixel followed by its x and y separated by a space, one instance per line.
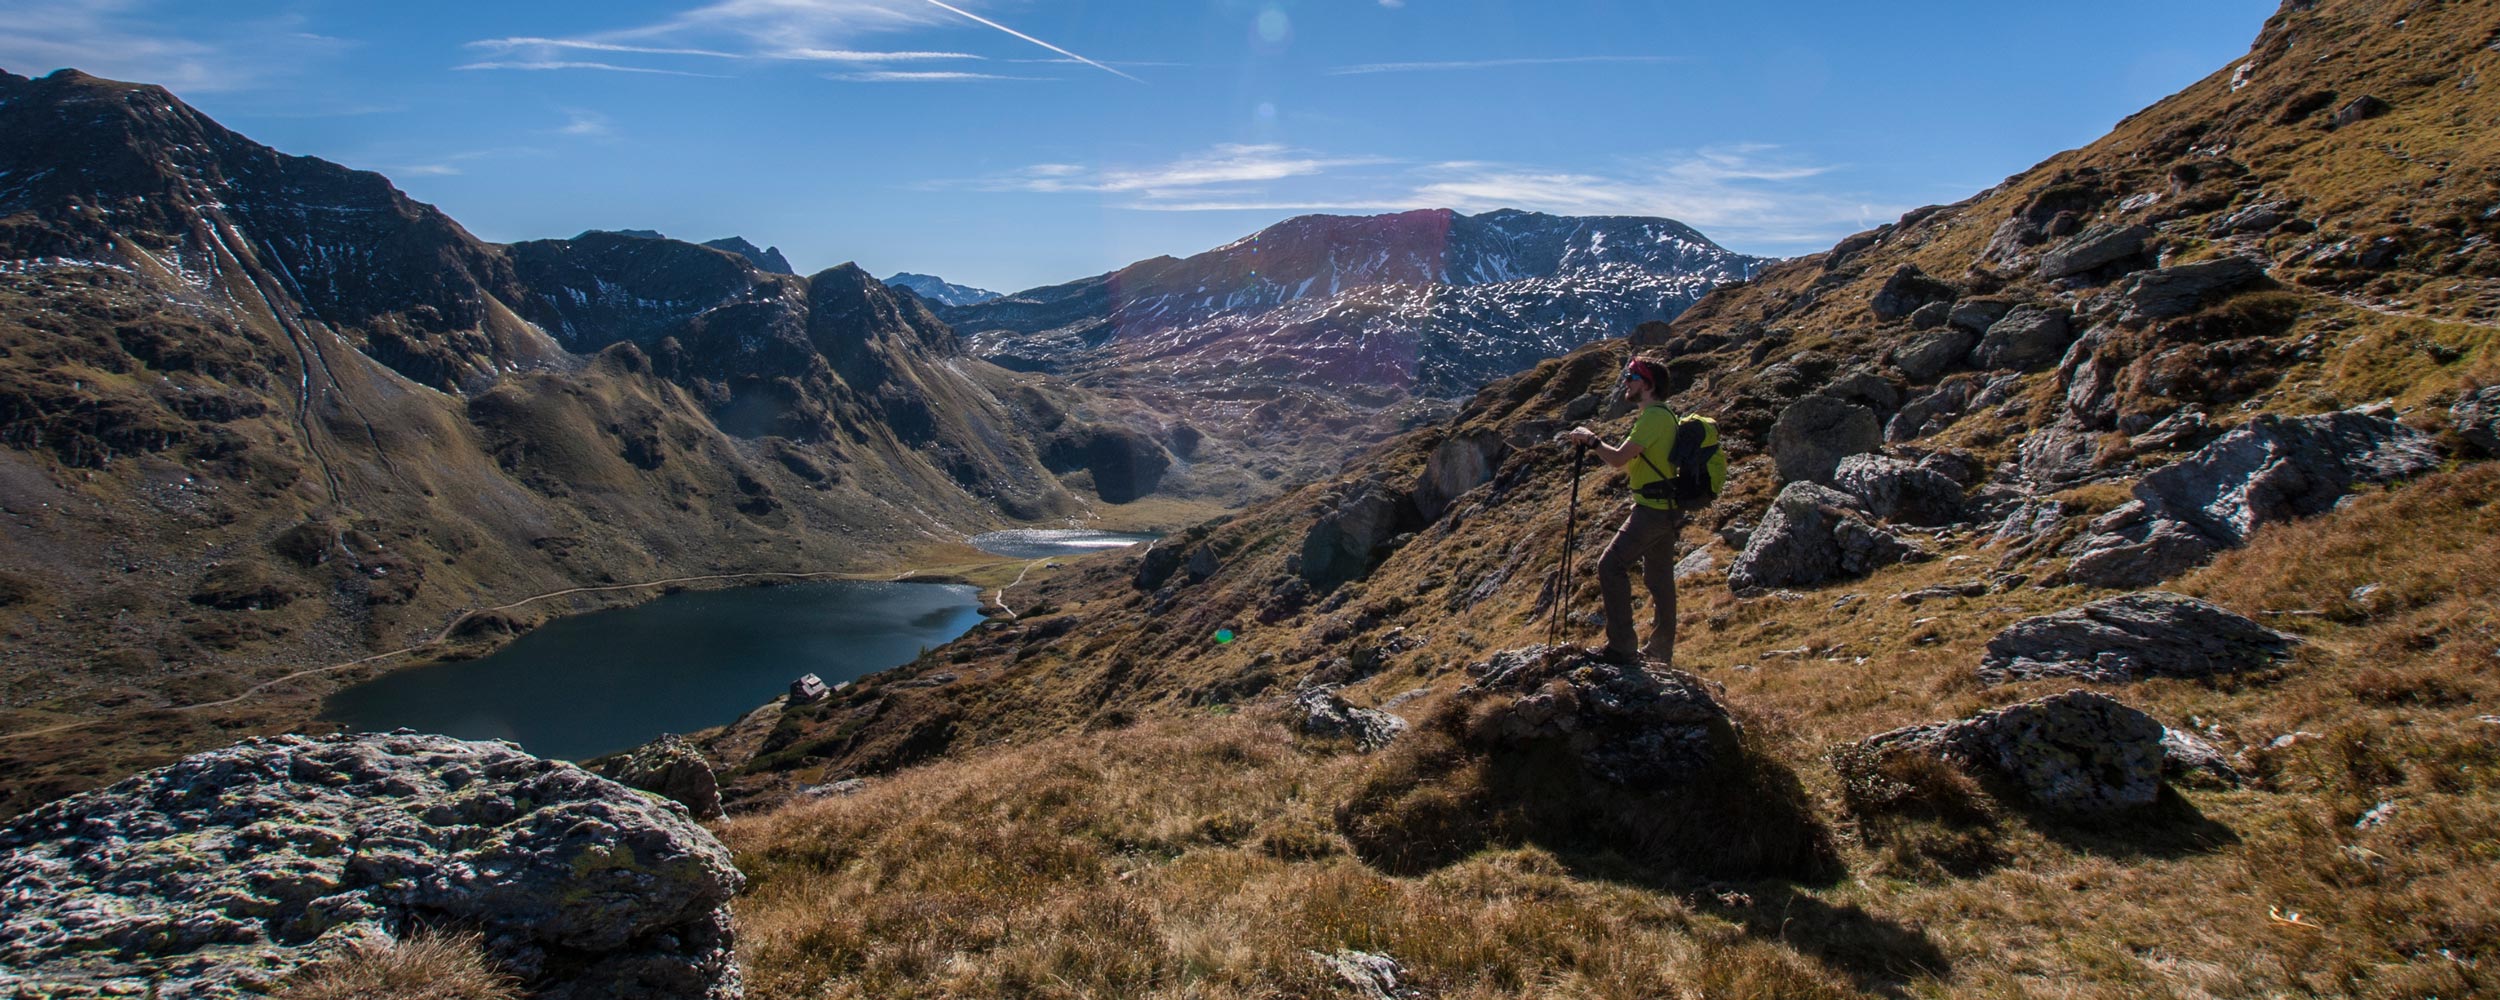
pixel 1223 636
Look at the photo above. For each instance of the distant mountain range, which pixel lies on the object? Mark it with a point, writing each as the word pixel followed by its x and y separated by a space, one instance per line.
pixel 1431 303
pixel 939 291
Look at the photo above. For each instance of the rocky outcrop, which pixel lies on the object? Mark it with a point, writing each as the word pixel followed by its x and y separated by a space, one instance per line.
pixel 1345 542
pixel 672 768
pixel 2132 637
pixel 1625 724
pixel 2094 248
pixel 1366 975
pixel 1811 534
pixel 1931 353
pixel 1976 315
pixel 2028 337
pixel 1897 490
pixel 217 876
pixel 2178 291
pixel 1815 433
pixel 1461 463
pixel 2273 469
pixel 2476 418
pixel 1907 290
pixel 2078 753
pixel 1319 712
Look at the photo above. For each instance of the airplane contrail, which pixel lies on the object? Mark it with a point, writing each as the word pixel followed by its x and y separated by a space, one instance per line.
pixel 976 17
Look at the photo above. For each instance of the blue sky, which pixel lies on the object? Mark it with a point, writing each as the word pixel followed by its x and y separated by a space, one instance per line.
pixel 1012 143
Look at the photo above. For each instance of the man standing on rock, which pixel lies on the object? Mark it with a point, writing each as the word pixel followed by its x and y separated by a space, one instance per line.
pixel 1648 535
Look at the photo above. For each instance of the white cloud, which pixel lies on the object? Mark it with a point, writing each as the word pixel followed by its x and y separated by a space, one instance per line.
pixel 1462 64
pixel 586 124
pixel 762 30
pixel 1189 176
pixel 930 76
pixel 118 39
pixel 556 64
pixel 976 17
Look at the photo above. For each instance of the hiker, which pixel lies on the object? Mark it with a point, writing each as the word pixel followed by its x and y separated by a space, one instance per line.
pixel 1648 535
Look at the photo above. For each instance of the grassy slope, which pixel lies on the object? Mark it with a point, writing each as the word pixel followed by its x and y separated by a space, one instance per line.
pixel 1183 847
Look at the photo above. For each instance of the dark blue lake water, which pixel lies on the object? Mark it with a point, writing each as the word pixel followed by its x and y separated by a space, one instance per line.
pixel 596 683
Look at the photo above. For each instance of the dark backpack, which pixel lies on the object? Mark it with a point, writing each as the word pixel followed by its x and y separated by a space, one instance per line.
pixel 1696 469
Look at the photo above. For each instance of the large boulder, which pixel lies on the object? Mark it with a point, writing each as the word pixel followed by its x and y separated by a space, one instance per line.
pixel 1816 432
pixel 1932 412
pixel 1461 463
pixel 2273 469
pixel 1319 712
pixel 1930 353
pixel 2028 337
pixel 1907 290
pixel 1549 746
pixel 2132 637
pixel 219 875
pixel 1812 534
pixel 2094 248
pixel 1978 314
pixel 670 767
pixel 2178 291
pixel 2476 417
pixel 1345 542
pixel 2078 753
pixel 2059 455
pixel 1897 490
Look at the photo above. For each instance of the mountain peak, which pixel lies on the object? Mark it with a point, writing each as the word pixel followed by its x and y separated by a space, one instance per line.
pixel 940 291
pixel 768 258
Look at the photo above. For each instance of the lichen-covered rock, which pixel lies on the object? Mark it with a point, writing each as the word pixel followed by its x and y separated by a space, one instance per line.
pixel 1320 712
pixel 1812 534
pixel 1976 315
pixel 2178 291
pixel 2273 469
pixel 2079 753
pixel 1625 723
pixel 1905 291
pixel 217 876
pixel 1815 433
pixel 1366 975
pixel 2092 248
pixel 1461 463
pixel 1896 490
pixel 671 767
pixel 2028 337
pixel 2477 419
pixel 2188 760
pixel 2130 637
pixel 1929 354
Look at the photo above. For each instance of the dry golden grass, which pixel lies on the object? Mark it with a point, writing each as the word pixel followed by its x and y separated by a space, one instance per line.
pixel 1200 854
pixel 425 966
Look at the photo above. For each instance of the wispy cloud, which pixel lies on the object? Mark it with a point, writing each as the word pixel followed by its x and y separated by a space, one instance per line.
pixel 924 76
pixel 1462 64
pixel 763 31
pixel 121 39
pixel 976 17
pixel 585 124
pixel 556 64
pixel 1751 194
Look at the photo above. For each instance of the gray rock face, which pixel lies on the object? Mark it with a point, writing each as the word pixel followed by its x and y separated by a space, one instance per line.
pixel 1342 543
pixel 2260 218
pixel 1320 712
pixel 2131 637
pixel 1867 389
pixel 1931 315
pixel 2188 760
pixel 2028 337
pixel 2273 469
pixel 808 689
pixel 671 767
pixel 2361 109
pixel 1626 724
pixel 1896 490
pixel 1907 290
pixel 2178 291
pixel 1696 563
pixel 1461 463
pixel 2060 454
pixel 226 871
pixel 1978 314
pixel 1812 534
pixel 1366 975
pixel 1815 433
pixel 2078 753
pixel 1931 353
pixel 1932 412
pixel 2477 418
pixel 2093 248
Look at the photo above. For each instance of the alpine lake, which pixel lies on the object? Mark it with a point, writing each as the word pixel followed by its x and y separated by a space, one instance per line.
pixel 591 684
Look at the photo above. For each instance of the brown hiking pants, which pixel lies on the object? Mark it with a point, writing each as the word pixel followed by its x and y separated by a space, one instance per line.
pixel 1648 538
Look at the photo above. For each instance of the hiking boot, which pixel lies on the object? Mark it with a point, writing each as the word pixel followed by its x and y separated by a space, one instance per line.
pixel 1606 654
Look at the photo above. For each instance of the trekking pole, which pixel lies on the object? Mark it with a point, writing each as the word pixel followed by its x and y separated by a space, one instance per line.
pixel 1571 532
